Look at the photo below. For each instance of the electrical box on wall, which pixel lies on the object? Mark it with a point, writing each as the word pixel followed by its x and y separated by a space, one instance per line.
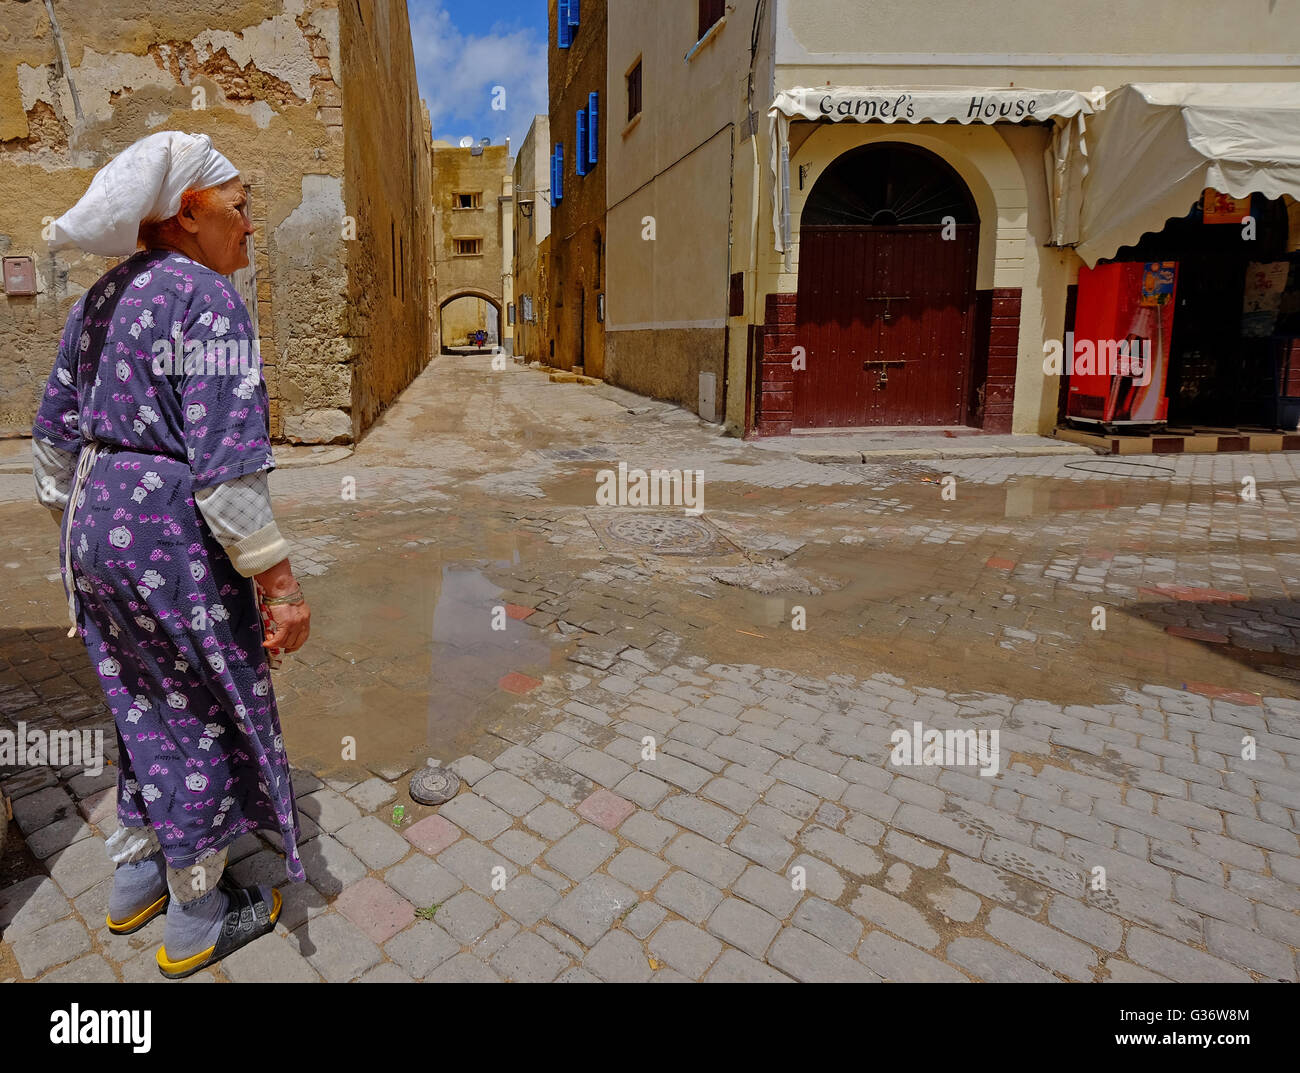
pixel 20 275
pixel 708 396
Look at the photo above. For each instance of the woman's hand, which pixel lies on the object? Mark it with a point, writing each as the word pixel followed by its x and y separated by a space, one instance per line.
pixel 292 626
pixel 292 621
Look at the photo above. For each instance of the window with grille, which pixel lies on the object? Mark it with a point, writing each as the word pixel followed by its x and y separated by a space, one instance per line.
pixel 468 247
pixel 710 12
pixel 634 92
pixel 469 201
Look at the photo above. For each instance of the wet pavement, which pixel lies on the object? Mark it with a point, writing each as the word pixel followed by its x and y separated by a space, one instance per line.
pixel 674 728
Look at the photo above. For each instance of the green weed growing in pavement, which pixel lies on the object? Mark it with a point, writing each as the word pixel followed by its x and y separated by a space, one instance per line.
pixel 427 913
pixel 399 814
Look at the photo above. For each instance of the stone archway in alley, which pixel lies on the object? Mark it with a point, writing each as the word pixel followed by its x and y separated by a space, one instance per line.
pixel 460 313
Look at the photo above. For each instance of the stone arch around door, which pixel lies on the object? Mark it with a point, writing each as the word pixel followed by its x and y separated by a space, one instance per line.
pixel 995 182
pixel 468 292
pixel 886 298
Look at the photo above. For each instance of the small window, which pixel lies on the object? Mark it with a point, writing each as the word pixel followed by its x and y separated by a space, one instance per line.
pixel 468 247
pixel 634 92
pixel 580 157
pixel 557 174
pixel 468 201
pixel 711 11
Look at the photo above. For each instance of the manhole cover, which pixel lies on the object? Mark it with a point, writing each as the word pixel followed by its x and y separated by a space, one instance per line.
pixel 661 534
pixel 434 785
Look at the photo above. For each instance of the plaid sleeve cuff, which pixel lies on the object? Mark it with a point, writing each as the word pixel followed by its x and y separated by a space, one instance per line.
pixel 258 551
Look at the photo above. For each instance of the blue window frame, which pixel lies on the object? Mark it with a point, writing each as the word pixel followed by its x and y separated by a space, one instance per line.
pixel 580 153
pixel 557 174
pixel 593 114
pixel 566 19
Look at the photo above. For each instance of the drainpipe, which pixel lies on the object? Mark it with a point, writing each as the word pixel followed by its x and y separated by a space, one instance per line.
pixel 756 387
pixel 757 371
pixel 63 61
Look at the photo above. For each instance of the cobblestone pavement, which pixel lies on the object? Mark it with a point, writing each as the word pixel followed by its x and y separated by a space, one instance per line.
pixel 663 779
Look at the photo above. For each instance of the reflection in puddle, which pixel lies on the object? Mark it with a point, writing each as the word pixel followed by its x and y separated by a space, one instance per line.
pixel 405 659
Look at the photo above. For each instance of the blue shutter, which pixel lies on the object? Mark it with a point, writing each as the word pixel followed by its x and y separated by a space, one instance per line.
pixel 559 172
pixel 580 156
pixel 562 24
pixel 593 126
pixel 573 15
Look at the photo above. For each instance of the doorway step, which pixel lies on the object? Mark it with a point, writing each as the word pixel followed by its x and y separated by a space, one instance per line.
pixel 1183 440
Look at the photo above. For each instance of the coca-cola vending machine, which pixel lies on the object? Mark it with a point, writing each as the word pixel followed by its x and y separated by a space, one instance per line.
pixel 1117 358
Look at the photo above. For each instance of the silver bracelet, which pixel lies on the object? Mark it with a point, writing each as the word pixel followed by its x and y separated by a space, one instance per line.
pixel 295 597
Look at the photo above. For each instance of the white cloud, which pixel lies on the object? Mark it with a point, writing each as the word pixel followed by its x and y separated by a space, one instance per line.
pixel 458 72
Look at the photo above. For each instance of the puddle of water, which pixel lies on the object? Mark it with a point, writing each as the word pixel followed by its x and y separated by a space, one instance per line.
pixel 431 687
pixel 886 594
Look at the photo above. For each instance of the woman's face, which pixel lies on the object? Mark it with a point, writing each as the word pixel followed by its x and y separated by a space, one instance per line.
pixel 219 225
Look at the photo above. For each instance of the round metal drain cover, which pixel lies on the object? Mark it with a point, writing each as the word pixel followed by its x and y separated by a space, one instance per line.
pixel 434 785
pixel 665 533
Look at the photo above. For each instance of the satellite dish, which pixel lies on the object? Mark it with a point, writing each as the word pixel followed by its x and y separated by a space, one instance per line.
pixel 485 141
pixel 466 142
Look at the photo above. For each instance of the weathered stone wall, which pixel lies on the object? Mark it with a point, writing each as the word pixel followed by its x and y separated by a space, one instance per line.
pixel 532 186
pixel 578 239
pixel 262 77
pixel 387 148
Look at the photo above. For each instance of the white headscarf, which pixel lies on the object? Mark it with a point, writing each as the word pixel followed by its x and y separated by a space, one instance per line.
pixel 143 182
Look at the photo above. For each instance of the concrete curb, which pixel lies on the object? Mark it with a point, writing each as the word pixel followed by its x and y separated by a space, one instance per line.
pixel 884 454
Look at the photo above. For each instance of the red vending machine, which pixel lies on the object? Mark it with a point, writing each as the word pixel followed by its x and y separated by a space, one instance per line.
pixel 1118 355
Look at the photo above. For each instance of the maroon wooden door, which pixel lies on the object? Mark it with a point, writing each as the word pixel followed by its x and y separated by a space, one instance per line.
pixel 885 315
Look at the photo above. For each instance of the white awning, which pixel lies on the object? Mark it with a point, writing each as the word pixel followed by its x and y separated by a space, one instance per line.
pixel 906 104
pixel 1155 147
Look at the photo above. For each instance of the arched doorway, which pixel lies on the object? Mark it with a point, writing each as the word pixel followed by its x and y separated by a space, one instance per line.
pixel 462 313
pixel 888 245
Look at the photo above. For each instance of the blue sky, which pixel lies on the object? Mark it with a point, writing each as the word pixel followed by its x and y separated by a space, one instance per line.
pixel 465 48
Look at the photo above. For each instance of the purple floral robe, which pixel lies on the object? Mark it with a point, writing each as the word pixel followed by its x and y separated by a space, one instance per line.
pixel 172 629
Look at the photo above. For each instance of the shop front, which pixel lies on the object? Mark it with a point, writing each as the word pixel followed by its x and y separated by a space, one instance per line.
pixel 1183 330
pixel 901 240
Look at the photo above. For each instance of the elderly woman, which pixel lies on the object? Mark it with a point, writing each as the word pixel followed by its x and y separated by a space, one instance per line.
pixel 152 444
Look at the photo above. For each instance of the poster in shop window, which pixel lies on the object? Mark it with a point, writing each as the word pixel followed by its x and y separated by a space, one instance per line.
pixel 1217 208
pixel 1121 341
pixel 1265 282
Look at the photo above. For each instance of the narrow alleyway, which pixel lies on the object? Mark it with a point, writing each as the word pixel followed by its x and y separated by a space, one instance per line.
pixel 1123 626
